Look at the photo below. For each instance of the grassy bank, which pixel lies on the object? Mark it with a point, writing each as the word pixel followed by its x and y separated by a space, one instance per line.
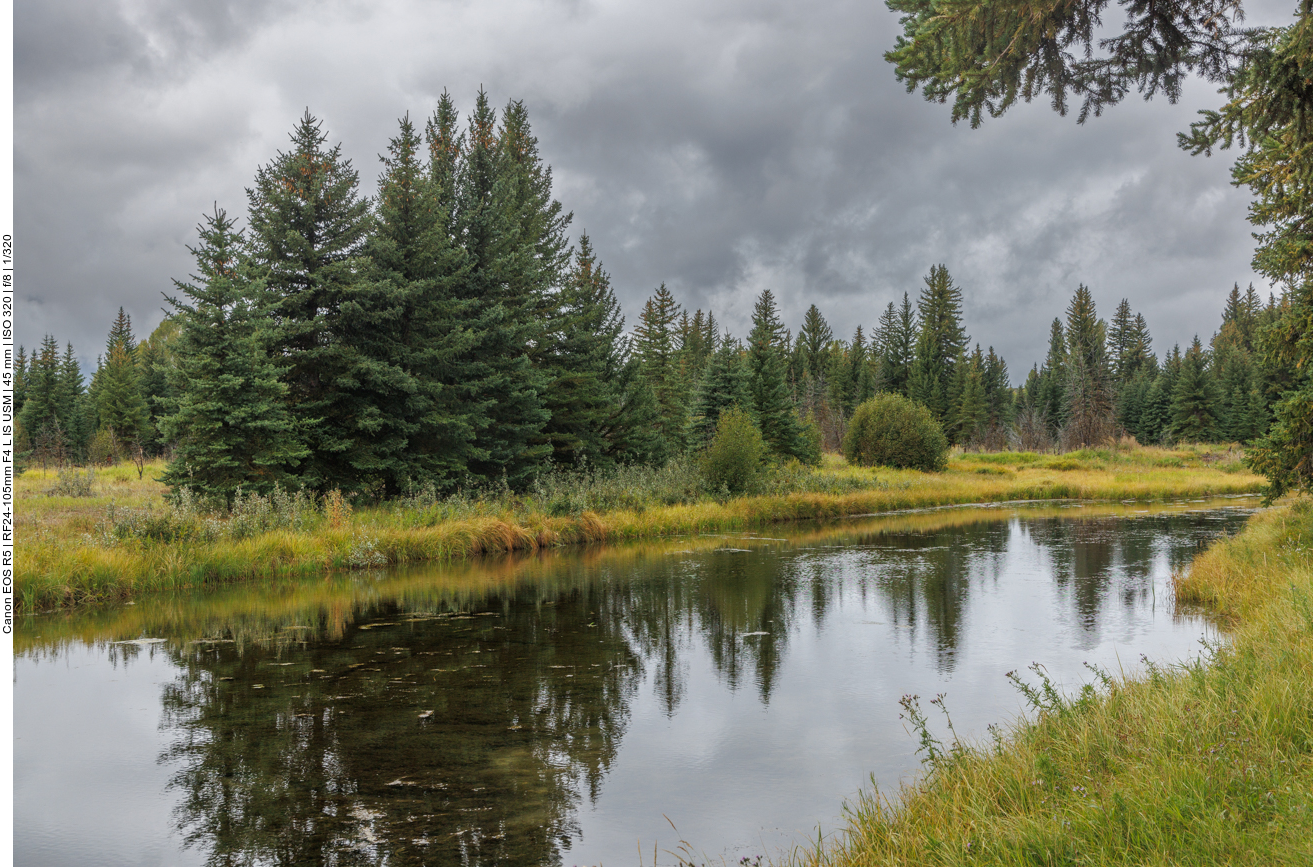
pixel 1209 763
pixel 116 536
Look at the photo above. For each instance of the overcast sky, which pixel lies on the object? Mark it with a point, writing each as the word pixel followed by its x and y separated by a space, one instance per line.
pixel 720 147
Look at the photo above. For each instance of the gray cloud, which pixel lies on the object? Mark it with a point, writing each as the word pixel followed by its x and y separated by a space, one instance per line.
pixel 722 149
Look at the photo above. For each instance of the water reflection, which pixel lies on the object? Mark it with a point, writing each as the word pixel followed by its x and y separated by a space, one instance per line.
pixel 471 714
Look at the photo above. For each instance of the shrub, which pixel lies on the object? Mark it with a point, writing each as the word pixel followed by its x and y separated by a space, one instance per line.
pixel 732 461
pixel 890 430
pixel 71 483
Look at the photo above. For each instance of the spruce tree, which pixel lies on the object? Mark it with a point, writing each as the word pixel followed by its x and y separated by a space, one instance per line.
pixel 120 406
pixel 859 382
pixel 20 379
pixel 73 403
pixel 410 330
pixel 774 411
pixel 940 340
pixel 632 431
pixel 307 229
pixel 584 359
pixel 1053 380
pixel 655 342
pixel 814 336
pixel 42 406
pixel 498 186
pixel 1156 419
pixel 897 343
pixel 231 423
pixel 999 400
pixel 968 409
pixel 1090 398
pixel 1285 350
pixel 724 385
pixel 1194 399
pixel 156 358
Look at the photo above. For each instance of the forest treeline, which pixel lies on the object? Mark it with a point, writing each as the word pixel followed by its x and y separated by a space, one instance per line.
pixel 444 332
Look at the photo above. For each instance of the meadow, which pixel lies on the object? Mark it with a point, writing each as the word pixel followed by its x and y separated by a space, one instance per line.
pixel 1202 763
pixel 89 536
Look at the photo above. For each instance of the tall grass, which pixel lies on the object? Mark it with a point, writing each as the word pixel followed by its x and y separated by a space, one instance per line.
pixel 1204 763
pixel 127 538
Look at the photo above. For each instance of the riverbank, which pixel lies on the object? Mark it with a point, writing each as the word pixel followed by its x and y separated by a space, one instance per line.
pixel 115 536
pixel 1202 764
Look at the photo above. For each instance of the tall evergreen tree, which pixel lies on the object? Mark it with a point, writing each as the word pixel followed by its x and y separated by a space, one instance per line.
pixel 999 402
pixel 1053 380
pixel 231 422
pixel 1091 418
pixel 1122 348
pixel 655 344
pixel 814 336
pixel 120 405
pixel 1194 399
pixel 774 411
pixel 939 342
pixel 724 385
pixel 1285 349
pixel 1156 419
pixel 584 359
pixel 859 378
pixel 156 358
pixel 42 406
pixel 412 333
pixel 969 410
pixel 20 379
pixel 498 186
pixel 307 229
pixel 897 344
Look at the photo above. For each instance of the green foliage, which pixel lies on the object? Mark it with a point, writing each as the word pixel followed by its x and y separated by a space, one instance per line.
pixel 1285 453
pixel 119 401
pixel 655 341
pixel 583 356
pixel 814 336
pixel 231 424
pixel 891 430
pixel 940 340
pixel 1194 399
pixel 72 483
pixel 724 385
pixel 897 340
pixel 984 57
pixel 733 460
pixel 400 322
pixel 307 227
pixel 772 406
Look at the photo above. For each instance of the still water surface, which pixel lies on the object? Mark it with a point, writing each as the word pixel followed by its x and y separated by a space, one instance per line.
pixel 569 708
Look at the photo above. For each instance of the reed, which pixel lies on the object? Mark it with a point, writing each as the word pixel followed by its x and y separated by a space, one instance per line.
pixel 1203 763
pixel 125 538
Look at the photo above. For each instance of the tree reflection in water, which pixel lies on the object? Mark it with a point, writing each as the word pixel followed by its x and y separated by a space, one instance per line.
pixel 432 719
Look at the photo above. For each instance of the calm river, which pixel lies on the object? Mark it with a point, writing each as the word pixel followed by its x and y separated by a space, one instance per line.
pixel 569 708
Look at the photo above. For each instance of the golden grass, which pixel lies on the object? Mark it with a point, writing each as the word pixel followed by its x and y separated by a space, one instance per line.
pixel 63 561
pixel 1202 764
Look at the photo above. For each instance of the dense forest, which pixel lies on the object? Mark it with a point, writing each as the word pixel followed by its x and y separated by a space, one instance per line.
pixel 445 332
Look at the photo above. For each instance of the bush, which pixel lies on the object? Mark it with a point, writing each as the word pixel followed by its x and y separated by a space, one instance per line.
pixel 71 483
pixel 732 461
pixel 890 430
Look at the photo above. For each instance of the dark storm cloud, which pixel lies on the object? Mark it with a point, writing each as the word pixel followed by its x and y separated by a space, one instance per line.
pixel 721 148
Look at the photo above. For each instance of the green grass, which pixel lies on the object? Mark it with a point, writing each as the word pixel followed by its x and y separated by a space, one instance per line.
pixel 1205 763
pixel 125 539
